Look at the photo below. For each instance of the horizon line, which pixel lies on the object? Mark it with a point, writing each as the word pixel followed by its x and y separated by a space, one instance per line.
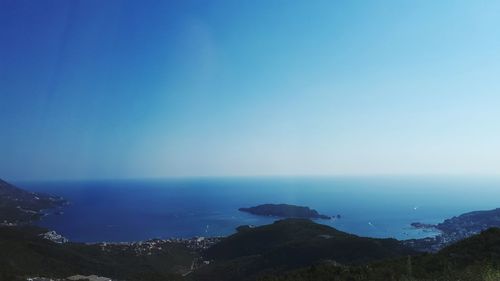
pixel 263 176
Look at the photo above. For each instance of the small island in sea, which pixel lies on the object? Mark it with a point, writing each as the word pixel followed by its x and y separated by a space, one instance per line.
pixel 285 211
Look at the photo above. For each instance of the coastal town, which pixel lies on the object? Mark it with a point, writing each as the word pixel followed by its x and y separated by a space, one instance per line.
pixel 139 248
pixel 54 237
pixel 73 278
pixel 153 246
pixel 454 229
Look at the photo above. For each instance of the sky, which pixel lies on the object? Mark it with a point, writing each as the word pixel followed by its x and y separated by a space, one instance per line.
pixel 137 89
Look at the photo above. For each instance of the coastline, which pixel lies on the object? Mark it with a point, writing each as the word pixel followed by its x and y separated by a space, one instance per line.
pixel 191 208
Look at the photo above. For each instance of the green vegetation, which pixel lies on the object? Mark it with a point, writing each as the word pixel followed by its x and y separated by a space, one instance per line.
pixel 24 253
pixel 285 211
pixel 474 259
pixel 287 250
pixel 20 206
pixel 289 244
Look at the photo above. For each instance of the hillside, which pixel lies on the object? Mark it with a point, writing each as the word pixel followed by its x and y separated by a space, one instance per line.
pixel 470 223
pixel 455 229
pixel 474 259
pixel 24 253
pixel 288 244
pixel 287 250
pixel 20 206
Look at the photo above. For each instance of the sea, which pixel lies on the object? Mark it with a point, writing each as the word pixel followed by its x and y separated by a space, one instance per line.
pixel 382 207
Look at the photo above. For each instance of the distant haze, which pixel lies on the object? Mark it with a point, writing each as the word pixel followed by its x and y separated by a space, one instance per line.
pixel 124 89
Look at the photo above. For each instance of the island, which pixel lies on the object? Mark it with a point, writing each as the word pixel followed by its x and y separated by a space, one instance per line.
pixel 284 211
pixel 285 248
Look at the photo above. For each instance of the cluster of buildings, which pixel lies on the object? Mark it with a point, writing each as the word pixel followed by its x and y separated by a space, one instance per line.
pixel 54 237
pixel 197 243
pixel 434 244
pixel 140 248
pixel 71 278
pixel 153 246
pixel 7 223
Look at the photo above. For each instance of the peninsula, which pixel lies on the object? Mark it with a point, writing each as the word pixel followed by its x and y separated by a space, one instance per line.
pixel 285 211
pixel 18 206
pixel 455 229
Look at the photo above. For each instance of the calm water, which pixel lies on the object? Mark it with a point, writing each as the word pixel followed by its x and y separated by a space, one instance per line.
pixel 375 207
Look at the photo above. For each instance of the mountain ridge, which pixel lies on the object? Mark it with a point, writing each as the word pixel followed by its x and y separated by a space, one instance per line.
pixel 18 206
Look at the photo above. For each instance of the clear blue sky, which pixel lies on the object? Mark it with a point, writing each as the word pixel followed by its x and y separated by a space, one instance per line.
pixel 126 89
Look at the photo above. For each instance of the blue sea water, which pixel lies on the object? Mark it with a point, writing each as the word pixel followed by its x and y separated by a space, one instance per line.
pixel 141 209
